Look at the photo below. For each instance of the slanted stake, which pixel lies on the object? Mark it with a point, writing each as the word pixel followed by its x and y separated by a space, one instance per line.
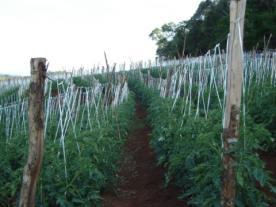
pixel 169 81
pixel 36 129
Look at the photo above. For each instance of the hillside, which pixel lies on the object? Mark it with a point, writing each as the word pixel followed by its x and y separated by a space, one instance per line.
pixel 210 25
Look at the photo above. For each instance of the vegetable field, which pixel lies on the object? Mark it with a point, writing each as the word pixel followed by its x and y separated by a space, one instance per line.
pixel 87 118
pixel 195 131
pixel 185 105
pixel 85 126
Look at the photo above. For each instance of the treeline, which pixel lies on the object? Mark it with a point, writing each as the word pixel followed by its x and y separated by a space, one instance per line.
pixel 210 25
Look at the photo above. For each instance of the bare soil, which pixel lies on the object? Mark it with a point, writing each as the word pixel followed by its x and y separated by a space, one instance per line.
pixel 142 182
pixel 270 163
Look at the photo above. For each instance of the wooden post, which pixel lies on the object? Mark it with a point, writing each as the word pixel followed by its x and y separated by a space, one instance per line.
pixel 233 101
pixel 36 128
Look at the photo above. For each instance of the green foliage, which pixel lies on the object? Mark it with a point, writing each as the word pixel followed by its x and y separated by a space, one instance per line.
pixel 155 72
pixel 81 81
pixel 261 107
pixel 92 161
pixel 210 25
pixel 190 149
pixel 55 88
pixel 13 156
pixel 101 78
pixel 9 96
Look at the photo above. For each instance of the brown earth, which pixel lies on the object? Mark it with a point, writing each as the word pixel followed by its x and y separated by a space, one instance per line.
pixel 142 182
pixel 270 163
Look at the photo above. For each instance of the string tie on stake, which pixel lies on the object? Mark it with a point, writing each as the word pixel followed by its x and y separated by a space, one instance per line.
pixel 232 140
pixel 237 20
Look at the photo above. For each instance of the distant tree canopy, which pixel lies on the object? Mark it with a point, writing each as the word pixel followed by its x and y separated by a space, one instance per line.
pixel 210 25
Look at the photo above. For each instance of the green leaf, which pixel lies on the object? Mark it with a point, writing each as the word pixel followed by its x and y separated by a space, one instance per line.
pixel 273 189
pixel 240 178
pixel 259 176
pixel 76 200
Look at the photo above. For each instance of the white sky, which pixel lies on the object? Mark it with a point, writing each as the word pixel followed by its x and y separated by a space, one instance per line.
pixel 74 33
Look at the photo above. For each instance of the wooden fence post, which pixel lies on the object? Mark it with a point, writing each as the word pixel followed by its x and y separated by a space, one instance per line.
pixel 36 128
pixel 233 101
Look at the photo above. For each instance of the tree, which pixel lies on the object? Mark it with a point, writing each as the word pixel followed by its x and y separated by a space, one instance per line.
pixel 209 26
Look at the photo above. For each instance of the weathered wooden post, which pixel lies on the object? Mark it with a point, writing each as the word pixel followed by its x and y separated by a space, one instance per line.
pixel 233 101
pixel 36 128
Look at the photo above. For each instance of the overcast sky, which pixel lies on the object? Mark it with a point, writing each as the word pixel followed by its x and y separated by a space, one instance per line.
pixel 74 33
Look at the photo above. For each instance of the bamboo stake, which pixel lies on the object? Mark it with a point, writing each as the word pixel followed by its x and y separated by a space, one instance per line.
pixel 233 101
pixel 36 127
pixel 169 80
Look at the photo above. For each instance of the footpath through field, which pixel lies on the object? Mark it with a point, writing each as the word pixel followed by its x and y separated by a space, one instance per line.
pixel 142 183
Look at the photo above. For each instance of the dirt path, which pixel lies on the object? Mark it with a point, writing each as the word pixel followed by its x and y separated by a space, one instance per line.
pixel 270 164
pixel 141 181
